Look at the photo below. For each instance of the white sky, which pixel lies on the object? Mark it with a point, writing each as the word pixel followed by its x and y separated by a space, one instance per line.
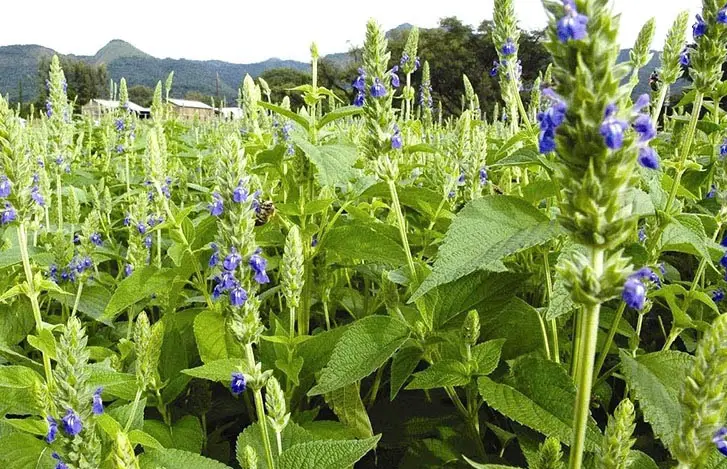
pixel 244 31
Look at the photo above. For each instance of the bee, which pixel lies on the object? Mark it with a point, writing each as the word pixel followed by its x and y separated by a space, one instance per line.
pixel 264 212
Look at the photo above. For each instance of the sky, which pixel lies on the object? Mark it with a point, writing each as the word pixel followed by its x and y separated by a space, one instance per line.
pixel 245 31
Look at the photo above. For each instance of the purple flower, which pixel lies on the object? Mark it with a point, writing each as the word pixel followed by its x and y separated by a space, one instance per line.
pixel 483 176
pixel 238 384
pixel 684 59
pixel 642 234
pixel 359 99
pixel 96 239
pixel 119 125
pixel 232 260
pixel 217 206
pixel 238 296
pixel 452 194
pixel 72 423
pixel 718 295
pixel 648 158
pixel 215 257
pixel 612 129
pixel 509 48
pixel 722 15
pixel 8 215
pixel 239 194
pixel 360 82
pixel 699 27
pixel 634 293
pixel 314 240
pixel 494 69
pixel 119 148
pixel 61 464
pixel 395 82
pixel 712 192
pixel 550 120
pixel 148 241
pixel 396 141
pixel 97 406
pixel 48 109
pixel 141 228
pixel 644 127
pixel 50 437
pixel 461 179
pixel 5 186
pixel 572 25
pixel 378 90
pixel 258 265
pixel 128 270
pixel 719 440
pixel 36 196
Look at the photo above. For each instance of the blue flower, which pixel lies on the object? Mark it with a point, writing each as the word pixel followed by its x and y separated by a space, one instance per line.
pixel 5 186
pixel 642 234
pixel 258 265
pixel 612 129
pixel 215 257
pixel 360 82
pixel 48 109
pixel 452 194
pixel 509 48
pixel 719 440
pixel 495 68
pixel 722 15
pixel 634 293
pixel 128 269
pixel 550 120
pixel 97 406
pixel 50 437
pixel 404 59
pixel 232 260
pixel 461 179
pixel 141 228
pixel 238 296
pixel 378 90
pixel 148 241
pixel 644 127
pixel 127 220
pixel 573 24
pixel 723 243
pixel 119 148
pixel 359 99
pixel 8 215
pixel 61 464
pixel 217 206
pixel 483 176
pixel 699 27
pixel 227 280
pixel 96 239
pixel 396 141
pixel 648 158
pixel 712 192
pixel 718 295
pixel 684 59
pixel 546 141
pixel 72 423
pixel 723 260
pixel 723 148
pixel 238 384
pixel 36 196
pixel 314 240
pixel 240 193
pixel 119 125
pixel 395 82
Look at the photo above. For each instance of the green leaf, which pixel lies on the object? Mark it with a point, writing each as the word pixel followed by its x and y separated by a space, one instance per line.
pixel 483 233
pixel 186 434
pixel 656 380
pixel 219 370
pixel 302 121
pixel 44 341
pixel 109 424
pixel 333 162
pixel 292 435
pixel 38 427
pixel 326 454
pixel 542 398
pixel 19 377
pixel 348 407
pixel 487 355
pixel 639 460
pixel 561 302
pixel 686 234
pixel 136 287
pixel 364 241
pixel 517 322
pixel 441 374
pixel 365 346
pixel 138 437
pixel 122 414
pixel 92 303
pixel 21 451
pixel 213 344
pixel 420 148
pixel 340 113
pixel 477 465
pixel 402 366
pixel 525 156
pixel 176 458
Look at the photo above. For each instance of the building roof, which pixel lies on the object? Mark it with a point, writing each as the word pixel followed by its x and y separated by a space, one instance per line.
pixel 189 103
pixel 115 104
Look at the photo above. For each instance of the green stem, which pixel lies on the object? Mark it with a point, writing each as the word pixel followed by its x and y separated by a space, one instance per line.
pixel 639 325
pixel 134 406
pixel 584 378
pixel 260 410
pixel 544 331
pixel 396 207
pixel 59 196
pixel 375 387
pixel 78 299
pixel 128 175
pixel 553 323
pixel 659 104
pixel 33 296
pixel 609 340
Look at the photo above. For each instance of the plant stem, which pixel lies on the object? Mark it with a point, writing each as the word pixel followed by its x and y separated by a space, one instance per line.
pixel 78 299
pixel 59 196
pixel 659 104
pixel 396 207
pixel 260 410
pixel 33 296
pixel 609 340
pixel 134 406
pixel 553 323
pixel 584 377
pixel 544 331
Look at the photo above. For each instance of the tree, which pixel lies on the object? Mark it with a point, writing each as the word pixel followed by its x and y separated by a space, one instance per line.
pixel 281 80
pixel 141 95
pixel 84 81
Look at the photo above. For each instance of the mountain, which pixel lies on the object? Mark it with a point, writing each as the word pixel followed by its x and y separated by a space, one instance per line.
pixel 19 63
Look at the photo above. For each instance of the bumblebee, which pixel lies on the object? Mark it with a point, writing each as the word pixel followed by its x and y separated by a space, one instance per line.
pixel 265 211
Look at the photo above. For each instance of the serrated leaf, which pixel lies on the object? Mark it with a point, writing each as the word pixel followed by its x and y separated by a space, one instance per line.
pixel 517 322
pixel 292 435
pixel 138 286
pixel 348 407
pixel 402 366
pixel 326 454
pixel 334 163
pixel 19 377
pixel 92 303
pixel 30 425
pixel 122 414
pixel 483 233
pixel 365 346
pixel 340 113
pixel 219 370
pixel 656 380
pixel 138 437
pixel 176 458
pixel 561 302
pixel 477 465
pixel 364 241
pixel 441 374
pixel 487 355
pixel 21 451
pixel 685 233
pixel 185 434
pixel 302 121
pixel 210 332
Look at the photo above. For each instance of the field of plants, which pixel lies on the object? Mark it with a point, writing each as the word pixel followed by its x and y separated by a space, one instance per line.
pixel 374 284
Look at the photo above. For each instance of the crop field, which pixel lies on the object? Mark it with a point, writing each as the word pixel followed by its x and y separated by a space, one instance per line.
pixel 376 282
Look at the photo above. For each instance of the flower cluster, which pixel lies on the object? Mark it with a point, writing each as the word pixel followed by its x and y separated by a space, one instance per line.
pixel 572 26
pixel 550 120
pixel 396 140
pixel 405 60
pixel 227 282
pixel 720 441
pixel 238 383
pixel 377 89
pixel 613 130
pixel 634 289
pixel 77 266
